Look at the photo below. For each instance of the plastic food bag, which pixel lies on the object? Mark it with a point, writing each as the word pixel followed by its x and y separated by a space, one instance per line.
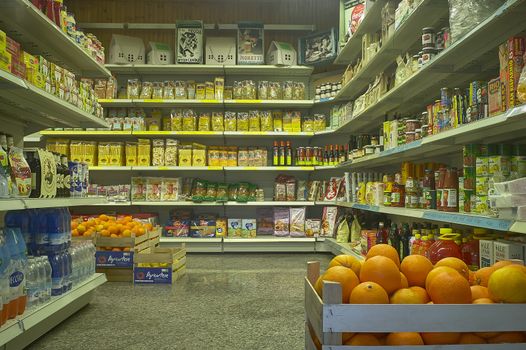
pixel 343 232
pixel 464 15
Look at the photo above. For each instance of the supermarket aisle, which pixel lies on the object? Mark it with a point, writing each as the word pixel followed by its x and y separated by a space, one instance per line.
pixel 238 301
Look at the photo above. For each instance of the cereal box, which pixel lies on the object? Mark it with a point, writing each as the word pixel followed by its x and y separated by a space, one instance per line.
pixel 249 228
pixel 234 227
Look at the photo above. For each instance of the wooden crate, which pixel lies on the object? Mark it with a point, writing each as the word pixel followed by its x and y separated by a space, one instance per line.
pixel 328 318
pixel 117 274
pixel 136 244
pixel 174 260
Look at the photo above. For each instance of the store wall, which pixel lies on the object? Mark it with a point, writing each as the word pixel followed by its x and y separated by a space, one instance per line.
pixel 322 13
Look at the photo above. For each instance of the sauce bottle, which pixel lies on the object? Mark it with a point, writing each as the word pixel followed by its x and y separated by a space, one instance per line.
pixel 288 153
pixel 282 153
pixel 450 191
pixel 405 236
pixel 394 237
pixel 415 243
pixel 429 194
pixel 381 234
pixel 445 246
pixel 440 177
pixel 397 193
pixel 275 154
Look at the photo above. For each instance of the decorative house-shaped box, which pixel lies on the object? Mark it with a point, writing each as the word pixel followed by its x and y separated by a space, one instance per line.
pixel 220 50
pixel 281 53
pixel 250 43
pixel 159 53
pixel 189 42
pixel 318 48
pixel 126 49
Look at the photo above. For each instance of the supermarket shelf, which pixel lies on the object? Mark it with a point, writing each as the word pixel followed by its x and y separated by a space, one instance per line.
pixel 178 133
pixel 324 101
pixel 455 66
pixel 269 168
pixel 27 25
pixel 18 333
pixel 435 215
pixel 108 102
pixel 425 15
pixel 269 70
pixel 269 103
pixel 370 23
pixel 34 203
pixel 272 203
pixel 177 204
pixel 269 244
pixel 129 133
pixel 165 69
pixel 200 168
pixel 113 204
pixel 234 134
pixel 87 133
pixel 32 105
pixel 518 226
pixel 177 168
pixel 110 168
pixel 341 248
pixel 194 245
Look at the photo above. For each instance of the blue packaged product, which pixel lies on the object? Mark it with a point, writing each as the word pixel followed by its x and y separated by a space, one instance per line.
pixel 57 273
pixel 75 180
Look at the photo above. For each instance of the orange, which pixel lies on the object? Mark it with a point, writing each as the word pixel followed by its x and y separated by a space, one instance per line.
pixel 384 250
pixel 348 261
pixel 81 228
pixel 140 231
pixel 404 338
pixel 368 293
pixel 127 249
pixel 482 276
pixel 99 228
pixel 74 225
pixel 422 292
pixel 343 275
pixel 113 235
pixel 478 292
pixel 483 301
pixel 105 233
pixel 416 268
pixel 508 285
pixel 126 233
pixel 113 230
pixel 437 271
pixel 363 339
pixel 471 278
pixel 507 337
pixel 407 296
pixel 74 233
pixel 86 234
pixel 116 249
pixel 383 271
pixel 502 263
pixel 448 288
pixel 403 281
pixel 440 338
pixel 148 226
pixel 470 338
pixel 457 264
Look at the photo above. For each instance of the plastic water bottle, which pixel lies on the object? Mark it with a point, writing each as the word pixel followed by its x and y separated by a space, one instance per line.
pixel 92 250
pixel 42 289
pixel 5 261
pixel 20 219
pixel 40 237
pixel 48 283
pixel 67 227
pixel 55 227
pixel 57 274
pixel 16 246
pixel 33 283
pixel 69 270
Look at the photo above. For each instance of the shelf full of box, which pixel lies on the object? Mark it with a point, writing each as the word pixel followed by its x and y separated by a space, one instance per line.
pixel 427 14
pixel 143 134
pixel 506 126
pixel 371 22
pixel 23 330
pixel 24 102
pixel 26 24
pixel 114 103
pixel 201 168
pixel 206 69
pixel 450 68
pixel 439 216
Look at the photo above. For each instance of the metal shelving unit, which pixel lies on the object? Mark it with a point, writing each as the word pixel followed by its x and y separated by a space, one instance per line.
pixel 27 25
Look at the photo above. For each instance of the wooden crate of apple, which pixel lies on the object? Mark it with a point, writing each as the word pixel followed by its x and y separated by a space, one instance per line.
pixel 496 295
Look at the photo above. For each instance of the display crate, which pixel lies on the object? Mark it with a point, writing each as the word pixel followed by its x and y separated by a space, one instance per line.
pixel 327 318
pixel 166 265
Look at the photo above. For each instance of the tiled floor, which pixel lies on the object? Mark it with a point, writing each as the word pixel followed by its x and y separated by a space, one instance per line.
pixel 226 301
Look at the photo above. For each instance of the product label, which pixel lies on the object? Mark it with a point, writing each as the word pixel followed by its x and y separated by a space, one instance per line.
pixel 114 259
pixel 66 181
pixel 152 275
pixel 16 278
pixel 450 198
pixel 395 198
pixel 439 198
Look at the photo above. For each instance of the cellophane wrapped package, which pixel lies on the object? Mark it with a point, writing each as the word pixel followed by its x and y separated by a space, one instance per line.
pixel 464 15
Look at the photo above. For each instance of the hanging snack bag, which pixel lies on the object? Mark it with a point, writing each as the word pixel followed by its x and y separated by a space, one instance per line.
pixel 20 173
pixel 328 221
pixel 343 232
pixel 312 227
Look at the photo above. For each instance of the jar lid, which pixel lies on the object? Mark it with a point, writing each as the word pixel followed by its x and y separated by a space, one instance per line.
pixel 427 29
pixel 409 132
pixel 418 130
pixel 411 121
pixel 425 126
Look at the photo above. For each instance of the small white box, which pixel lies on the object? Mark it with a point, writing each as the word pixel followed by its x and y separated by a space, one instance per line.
pixel 221 50
pixel 126 49
pixel 507 251
pixel 486 254
pixel 159 53
pixel 282 53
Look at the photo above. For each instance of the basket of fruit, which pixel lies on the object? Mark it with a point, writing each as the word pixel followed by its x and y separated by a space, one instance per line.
pixel 389 304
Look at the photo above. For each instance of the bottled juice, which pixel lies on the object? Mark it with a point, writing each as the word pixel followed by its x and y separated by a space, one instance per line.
pixel 416 240
pixel 445 246
pixel 470 248
pixel 423 246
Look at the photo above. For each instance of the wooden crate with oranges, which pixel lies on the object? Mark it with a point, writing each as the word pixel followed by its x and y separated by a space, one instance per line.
pixel 384 303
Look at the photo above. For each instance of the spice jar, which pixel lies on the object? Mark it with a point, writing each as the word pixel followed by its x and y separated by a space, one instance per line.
pixel 409 136
pixel 398 195
pixel 418 134
pixel 411 124
pixel 428 37
pixel 411 193
pixel 428 54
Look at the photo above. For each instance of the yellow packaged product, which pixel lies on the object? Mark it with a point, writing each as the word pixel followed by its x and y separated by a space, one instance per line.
pixel 131 153
pixel 296 121
pixel 287 122
pixel 76 151
pixel 189 120
pixel 143 152
pixel 185 155
pixel 209 90
pixel 221 227
pixel 232 156
pixel 253 121
pixel 228 93
pixel 277 120
pixel 242 121
pixel 166 123
pixel 217 121
pixel 89 152
pixel 170 152
pixel 320 123
pixel 61 146
pixel 230 121
pixel 204 122
pixel 243 157
pixel 5 61
pixel 153 123
pixel 223 156
pixel 176 118
pixel 219 83
pixel 213 156
pixel 265 118
pixel 200 91
pixel 171 189
pixel 3 40
pixel 116 153
pixel 104 154
pixel 158 152
pixel 308 124
pixel 198 155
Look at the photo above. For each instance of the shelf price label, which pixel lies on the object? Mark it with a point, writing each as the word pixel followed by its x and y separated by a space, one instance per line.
pixel 248 101
pixel 154 100
pixel 470 220
pixel 209 101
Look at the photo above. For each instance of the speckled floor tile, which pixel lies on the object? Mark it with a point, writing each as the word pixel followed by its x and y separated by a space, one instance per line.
pixel 226 301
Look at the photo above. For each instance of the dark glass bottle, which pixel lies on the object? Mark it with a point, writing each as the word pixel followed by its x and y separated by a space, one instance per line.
pixel 405 236
pixel 282 153
pixel 381 234
pixel 67 175
pixel 394 237
pixel 288 154
pixel 36 173
pixel 275 154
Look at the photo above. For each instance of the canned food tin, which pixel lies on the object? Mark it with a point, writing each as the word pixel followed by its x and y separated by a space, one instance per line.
pixel 428 37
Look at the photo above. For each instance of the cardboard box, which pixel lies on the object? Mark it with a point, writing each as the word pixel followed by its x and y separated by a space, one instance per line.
pixel 117 274
pixel 250 43
pixel 189 42
pixel 159 53
pixel 113 259
pixel 13 47
pixel 159 266
pixel 486 253
pixel 504 250
pixel 126 49
pixel 282 53
pixel 5 61
pixel 515 65
pixel 494 97
pixel 221 50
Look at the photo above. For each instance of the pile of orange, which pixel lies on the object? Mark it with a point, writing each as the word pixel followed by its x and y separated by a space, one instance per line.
pixel 109 226
pixel 383 279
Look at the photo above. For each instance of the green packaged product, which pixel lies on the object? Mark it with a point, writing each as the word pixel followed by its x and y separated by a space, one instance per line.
pixel 243 192
pixel 222 192
pixel 199 190
pixel 232 192
pixel 211 191
pixel 252 192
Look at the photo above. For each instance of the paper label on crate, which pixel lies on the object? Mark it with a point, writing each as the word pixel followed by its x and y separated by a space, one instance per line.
pixel 114 259
pixel 152 275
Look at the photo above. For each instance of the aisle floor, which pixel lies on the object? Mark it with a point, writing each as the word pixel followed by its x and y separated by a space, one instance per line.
pixel 234 301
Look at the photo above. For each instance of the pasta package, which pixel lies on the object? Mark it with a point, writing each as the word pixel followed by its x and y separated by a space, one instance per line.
pixel 131 153
pixel 171 189
pixel 158 152
pixel 170 152
pixel 153 188
pixel 217 121
pixel 138 189
pixel 204 122
pixel 230 121
pixel 297 222
pixel 253 121
pixel 143 152
pixel 265 118
pixel 242 121
pixel 281 221
pixel 189 120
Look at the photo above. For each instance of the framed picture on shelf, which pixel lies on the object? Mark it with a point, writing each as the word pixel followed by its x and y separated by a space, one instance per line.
pixel 189 42
pixel 250 43
pixel 318 48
